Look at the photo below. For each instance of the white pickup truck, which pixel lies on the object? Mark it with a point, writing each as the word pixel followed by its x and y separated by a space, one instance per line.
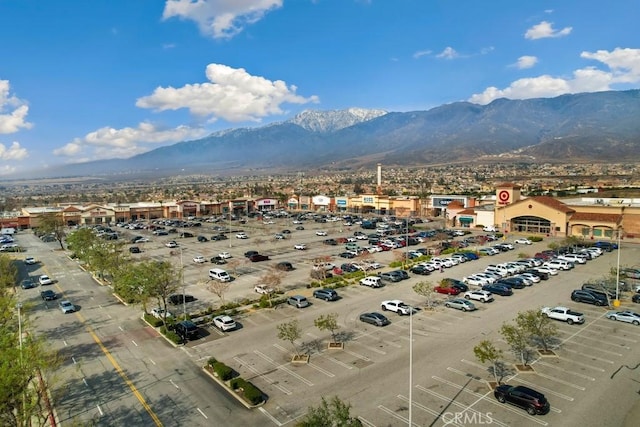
pixel 397 306
pixel 563 314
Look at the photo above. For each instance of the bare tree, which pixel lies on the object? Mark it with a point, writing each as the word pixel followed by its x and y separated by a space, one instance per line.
pixel 425 289
pixel 486 351
pixel 272 278
pixel 328 322
pixel 233 265
pixel 219 288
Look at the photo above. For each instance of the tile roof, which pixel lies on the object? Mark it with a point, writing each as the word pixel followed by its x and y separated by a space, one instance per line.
pixel 552 203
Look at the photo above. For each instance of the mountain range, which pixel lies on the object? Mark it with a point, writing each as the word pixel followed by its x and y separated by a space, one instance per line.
pixel 585 127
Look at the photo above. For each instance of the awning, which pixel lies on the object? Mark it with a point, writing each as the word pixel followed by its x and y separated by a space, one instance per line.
pixel 465 219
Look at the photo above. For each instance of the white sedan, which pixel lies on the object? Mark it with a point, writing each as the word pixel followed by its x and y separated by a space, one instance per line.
pixel 45 280
pixel 523 241
pixel 300 247
pixel 263 289
pixel 199 259
pixel 321 233
pixel 224 255
pixel 550 271
pixel 474 281
pixel 242 236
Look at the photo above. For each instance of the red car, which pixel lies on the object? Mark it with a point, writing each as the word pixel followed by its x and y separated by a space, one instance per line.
pixel 447 290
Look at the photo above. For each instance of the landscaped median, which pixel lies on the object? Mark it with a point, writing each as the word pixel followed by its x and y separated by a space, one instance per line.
pixel 244 391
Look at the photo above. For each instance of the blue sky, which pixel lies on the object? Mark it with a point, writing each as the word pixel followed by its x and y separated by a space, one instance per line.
pixel 86 80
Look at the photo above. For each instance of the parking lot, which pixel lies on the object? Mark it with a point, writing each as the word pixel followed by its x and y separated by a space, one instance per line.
pixel 448 385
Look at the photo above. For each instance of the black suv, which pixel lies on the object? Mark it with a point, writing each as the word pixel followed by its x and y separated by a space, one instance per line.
pixel 325 294
pixel 589 297
pixel 176 299
pixel 533 401
pixel 134 250
pixel 187 330
pixel 202 238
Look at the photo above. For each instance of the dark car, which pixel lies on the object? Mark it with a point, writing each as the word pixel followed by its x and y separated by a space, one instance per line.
pixel 299 227
pixel 217 237
pixel 187 330
pixel 248 254
pixel 349 268
pixel 176 299
pixel 28 284
pixel 470 256
pixel 332 242
pixel 403 275
pixel 501 290
pixel 286 232
pixel 513 282
pixel 218 260
pixel 636 298
pixel 601 290
pixel 389 277
pixel 589 297
pixel 284 266
pixel 420 269
pixel 325 294
pixel 456 284
pixel 186 234
pixel 258 258
pixel 348 255
pixel 532 401
pixel 48 295
pixel 202 239
pixel 134 250
pixel 376 319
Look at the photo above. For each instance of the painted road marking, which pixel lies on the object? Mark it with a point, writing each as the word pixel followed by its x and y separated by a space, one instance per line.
pixel 584 365
pixel 577 374
pixel 359 356
pixel 319 369
pixel 336 361
pixel 548 390
pixel 271 417
pixel 202 413
pixel 549 377
pixel 395 415
pixel 436 414
pixel 590 357
pixel 263 376
pixel 174 384
pixel 284 368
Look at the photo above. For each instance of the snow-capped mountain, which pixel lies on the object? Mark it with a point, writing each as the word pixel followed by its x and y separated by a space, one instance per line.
pixel 332 120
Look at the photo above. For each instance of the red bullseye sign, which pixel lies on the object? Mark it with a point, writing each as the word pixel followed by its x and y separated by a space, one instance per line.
pixel 503 196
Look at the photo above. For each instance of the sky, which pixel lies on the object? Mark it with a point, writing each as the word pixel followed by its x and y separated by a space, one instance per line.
pixel 89 80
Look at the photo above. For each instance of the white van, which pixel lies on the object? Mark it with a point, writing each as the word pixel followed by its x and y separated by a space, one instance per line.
pixel 219 274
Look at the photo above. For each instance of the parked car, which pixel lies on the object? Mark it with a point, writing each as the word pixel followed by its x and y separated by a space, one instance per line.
pixel 199 259
pixel 636 298
pixel 589 297
pixel 534 402
pixel 263 289
pixel 171 244
pixel 187 330
pixel 389 277
pixel 321 233
pixel 624 316
pixel 224 323
pixel 48 295
pixel 523 241
pixel 371 281
pixel 177 299
pixel 396 306
pixel 186 234
pixel 218 260
pixel 374 318
pixel 67 307
pixel 348 255
pixel 28 284
pixel 325 294
pixel 160 313
pixel 284 266
pixel 300 247
pixel 202 239
pixel 241 235
pixel 45 280
pixel 449 290
pixel 460 304
pixel 258 258
pixel 498 289
pixel 248 254
pixel 134 250
pixel 421 269
pixel 30 260
pixel 298 301
pixel 479 295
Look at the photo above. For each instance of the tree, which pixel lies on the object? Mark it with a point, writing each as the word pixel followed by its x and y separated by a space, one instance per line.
pixel 333 413
pixel 400 255
pixel 167 282
pixel 233 265
pixel 425 289
pixel 8 273
pixel 272 278
pixel 290 331
pixel 80 242
pixel 518 340
pixel 135 282
pixel 538 326
pixel 219 288
pixel 328 322
pixel 53 223
pixel 485 351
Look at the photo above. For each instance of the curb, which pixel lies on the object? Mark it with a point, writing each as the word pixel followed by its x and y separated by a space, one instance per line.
pixel 231 392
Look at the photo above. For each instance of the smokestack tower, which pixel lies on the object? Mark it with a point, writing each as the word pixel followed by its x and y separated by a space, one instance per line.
pixel 379 187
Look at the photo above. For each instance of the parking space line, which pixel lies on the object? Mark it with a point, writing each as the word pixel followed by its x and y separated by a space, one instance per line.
pixel 590 346
pixel 271 417
pixel 319 369
pixel 336 361
pixel 460 405
pixel 549 377
pixel 584 365
pixel 375 350
pixel 395 415
pixel 263 376
pixel 426 409
pixel 283 368
pixel 616 345
pixel 577 374
pixel 359 356
pixel 493 402
pixel 539 387
pixel 366 422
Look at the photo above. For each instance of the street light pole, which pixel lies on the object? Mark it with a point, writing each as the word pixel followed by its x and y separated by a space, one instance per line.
pixel 184 295
pixel 19 306
pixel 617 301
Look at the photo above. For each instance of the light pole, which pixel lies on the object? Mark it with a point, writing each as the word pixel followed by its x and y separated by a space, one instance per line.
pixel 19 307
pixel 616 303
pixel 184 295
pixel 410 366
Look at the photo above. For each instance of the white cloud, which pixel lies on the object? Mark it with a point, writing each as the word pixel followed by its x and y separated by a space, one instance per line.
pixel 221 19
pixel 122 143
pixel 623 64
pixel 13 111
pixel 526 61
pixel 232 94
pixel 421 53
pixel 6 169
pixel 448 53
pixel 14 152
pixel 545 30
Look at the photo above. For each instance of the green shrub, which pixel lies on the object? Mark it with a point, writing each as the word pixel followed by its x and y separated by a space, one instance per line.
pixel 175 338
pixel 535 238
pixel 236 383
pixel 223 371
pixel 211 361
pixel 252 393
